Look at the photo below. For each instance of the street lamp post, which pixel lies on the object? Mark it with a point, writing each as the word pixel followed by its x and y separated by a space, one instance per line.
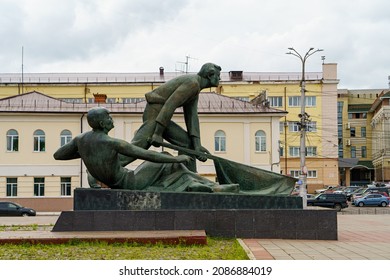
pixel 304 119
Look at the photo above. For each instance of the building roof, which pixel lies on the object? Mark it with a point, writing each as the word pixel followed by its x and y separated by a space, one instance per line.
pixel 94 78
pixel 364 164
pixel 347 162
pixel 209 103
pixel 384 95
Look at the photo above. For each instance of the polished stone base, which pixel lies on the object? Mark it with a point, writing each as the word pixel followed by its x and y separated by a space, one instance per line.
pixel 107 199
pixel 310 224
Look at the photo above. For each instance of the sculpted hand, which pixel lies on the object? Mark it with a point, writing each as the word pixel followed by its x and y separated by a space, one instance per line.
pixel 202 150
pixel 156 140
pixel 183 158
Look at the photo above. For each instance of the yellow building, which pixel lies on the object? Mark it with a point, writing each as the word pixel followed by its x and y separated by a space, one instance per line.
pixel 33 126
pixel 356 137
pixel 282 90
pixel 380 125
pixel 279 90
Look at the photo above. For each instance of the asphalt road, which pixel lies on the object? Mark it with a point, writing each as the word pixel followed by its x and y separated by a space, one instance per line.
pixel 51 218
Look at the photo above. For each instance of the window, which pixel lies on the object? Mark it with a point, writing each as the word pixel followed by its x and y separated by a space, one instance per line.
pixel 66 186
pixel 353 131
pixel 357 115
pixel 39 186
pixel 12 186
pixel 364 151
pixel 312 174
pixel 353 152
pixel 311 101
pixel 260 141
pixel 12 141
pixel 294 151
pixel 39 141
pixel 294 173
pixel 220 141
pixel 66 136
pixel 294 101
pixel 275 101
pixel 111 100
pixel 311 127
pixel 73 100
pixel 281 127
pixel 241 98
pixel 132 100
pixel 293 127
pixel 311 151
pixel 363 131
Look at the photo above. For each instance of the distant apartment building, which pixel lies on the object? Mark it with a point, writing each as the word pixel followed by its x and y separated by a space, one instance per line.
pixel 358 135
pixel 380 137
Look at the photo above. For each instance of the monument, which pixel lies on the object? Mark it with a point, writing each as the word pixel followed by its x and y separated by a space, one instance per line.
pixel 166 192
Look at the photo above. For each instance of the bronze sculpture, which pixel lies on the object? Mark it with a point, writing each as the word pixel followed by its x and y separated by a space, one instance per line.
pixel 183 92
pixel 106 157
pixel 160 171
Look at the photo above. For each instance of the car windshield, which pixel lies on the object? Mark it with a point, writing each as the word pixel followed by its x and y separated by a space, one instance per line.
pixel 17 204
pixel 361 190
pixel 351 190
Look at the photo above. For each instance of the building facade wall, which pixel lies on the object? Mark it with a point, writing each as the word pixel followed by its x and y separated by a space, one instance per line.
pixel 323 114
pixel 358 139
pixel 381 142
pixel 26 165
pixel 321 86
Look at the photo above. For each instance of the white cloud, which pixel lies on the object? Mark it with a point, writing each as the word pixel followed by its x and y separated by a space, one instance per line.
pixel 248 35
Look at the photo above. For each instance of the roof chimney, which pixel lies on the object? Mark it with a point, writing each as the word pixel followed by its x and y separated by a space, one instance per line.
pixel 235 75
pixel 100 98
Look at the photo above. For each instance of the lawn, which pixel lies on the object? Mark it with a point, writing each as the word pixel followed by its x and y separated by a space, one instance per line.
pixel 216 249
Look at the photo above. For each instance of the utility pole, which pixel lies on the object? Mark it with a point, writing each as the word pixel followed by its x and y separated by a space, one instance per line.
pixel 304 119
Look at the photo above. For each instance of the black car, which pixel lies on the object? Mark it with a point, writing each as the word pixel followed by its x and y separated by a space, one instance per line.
pixel 337 201
pixel 14 209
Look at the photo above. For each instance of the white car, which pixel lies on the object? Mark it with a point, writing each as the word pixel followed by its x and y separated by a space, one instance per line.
pixel 318 191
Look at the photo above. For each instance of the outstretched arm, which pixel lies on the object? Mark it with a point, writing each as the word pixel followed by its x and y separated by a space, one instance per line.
pixel 130 150
pixel 68 151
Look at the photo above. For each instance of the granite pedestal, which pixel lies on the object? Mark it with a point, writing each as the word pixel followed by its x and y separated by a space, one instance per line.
pixel 106 199
pixel 220 215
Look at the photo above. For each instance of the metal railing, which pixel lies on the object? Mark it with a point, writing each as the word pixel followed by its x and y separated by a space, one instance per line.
pixel 39 78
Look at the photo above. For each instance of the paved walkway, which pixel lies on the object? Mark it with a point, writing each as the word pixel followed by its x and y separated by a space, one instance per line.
pixel 360 237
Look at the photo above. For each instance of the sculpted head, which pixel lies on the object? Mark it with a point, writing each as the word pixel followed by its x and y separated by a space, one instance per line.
pixel 211 72
pixel 99 119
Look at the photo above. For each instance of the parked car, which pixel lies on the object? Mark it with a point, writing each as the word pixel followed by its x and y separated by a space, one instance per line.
pixel 381 190
pixel 295 192
pixel 14 209
pixel 336 190
pixel 349 189
pixel 357 192
pixel 328 188
pixel 378 185
pixel 373 199
pixel 330 200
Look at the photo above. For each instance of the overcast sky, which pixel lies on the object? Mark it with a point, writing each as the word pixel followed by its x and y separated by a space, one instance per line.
pixel 247 35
